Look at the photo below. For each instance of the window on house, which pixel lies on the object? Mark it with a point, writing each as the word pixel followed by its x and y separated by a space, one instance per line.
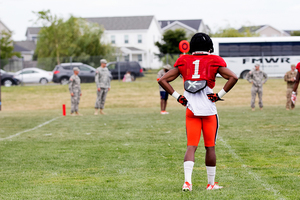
pixel 126 39
pixel 126 58
pixel 140 58
pixel 113 39
pixel 139 38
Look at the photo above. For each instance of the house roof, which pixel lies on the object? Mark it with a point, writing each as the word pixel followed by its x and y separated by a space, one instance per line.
pixel 193 23
pixel 133 49
pixel 291 31
pixel 33 30
pixel 5 25
pixel 24 46
pixel 252 29
pixel 113 23
pixel 123 23
pixel 255 29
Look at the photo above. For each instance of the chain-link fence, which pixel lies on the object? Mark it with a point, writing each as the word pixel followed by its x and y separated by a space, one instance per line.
pixel 168 58
pixel 48 64
pixel 15 64
pixel 12 65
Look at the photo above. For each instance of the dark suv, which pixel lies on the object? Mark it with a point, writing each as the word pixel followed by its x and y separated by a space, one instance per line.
pixel 132 66
pixel 64 71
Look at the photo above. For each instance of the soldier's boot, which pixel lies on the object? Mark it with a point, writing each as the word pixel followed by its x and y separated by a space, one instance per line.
pixel 101 112
pixel 78 114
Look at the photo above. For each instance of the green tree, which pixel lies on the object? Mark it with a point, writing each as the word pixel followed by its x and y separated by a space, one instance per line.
pixel 171 39
pixel 74 37
pixel 295 33
pixel 232 32
pixel 6 47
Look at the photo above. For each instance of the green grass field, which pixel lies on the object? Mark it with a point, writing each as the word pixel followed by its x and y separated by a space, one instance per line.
pixel 133 152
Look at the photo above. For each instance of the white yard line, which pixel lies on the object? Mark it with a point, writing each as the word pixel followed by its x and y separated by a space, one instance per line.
pixel 32 129
pixel 256 176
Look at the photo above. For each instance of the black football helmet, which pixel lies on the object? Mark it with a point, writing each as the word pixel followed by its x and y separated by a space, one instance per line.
pixel 201 42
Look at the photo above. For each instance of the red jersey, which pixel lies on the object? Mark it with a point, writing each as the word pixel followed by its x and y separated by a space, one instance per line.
pixel 298 67
pixel 200 67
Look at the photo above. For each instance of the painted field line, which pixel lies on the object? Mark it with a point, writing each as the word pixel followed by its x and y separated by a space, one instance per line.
pixel 32 129
pixel 256 176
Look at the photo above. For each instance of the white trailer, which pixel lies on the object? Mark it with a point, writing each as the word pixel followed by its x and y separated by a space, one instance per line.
pixel 274 54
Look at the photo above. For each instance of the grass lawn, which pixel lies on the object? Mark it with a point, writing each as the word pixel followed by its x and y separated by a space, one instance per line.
pixel 133 152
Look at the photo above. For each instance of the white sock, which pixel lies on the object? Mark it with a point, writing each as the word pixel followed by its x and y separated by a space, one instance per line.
pixel 211 172
pixel 188 169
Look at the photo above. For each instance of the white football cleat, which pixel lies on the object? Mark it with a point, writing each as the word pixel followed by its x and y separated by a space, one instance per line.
pixel 213 187
pixel 187 187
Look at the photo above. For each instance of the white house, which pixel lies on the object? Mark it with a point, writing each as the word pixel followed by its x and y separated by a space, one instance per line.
pixel 135 36
pixel 265 31
pixel 3 27
pixel 26 48
pixel 32 33
pixel 190 26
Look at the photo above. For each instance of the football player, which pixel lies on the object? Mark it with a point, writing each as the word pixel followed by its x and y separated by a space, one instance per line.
pixel 294 93
pixel 199 71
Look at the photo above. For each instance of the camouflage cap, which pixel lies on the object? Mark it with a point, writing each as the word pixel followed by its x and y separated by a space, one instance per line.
pixel 76 69
pixel 103 61
pixel 167 66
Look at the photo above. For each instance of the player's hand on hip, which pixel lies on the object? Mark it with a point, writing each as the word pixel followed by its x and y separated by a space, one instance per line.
pixel 214 97
pixel 181 99
pixel 294 97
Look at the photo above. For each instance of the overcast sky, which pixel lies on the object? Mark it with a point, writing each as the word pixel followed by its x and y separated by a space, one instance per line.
pixel 282 14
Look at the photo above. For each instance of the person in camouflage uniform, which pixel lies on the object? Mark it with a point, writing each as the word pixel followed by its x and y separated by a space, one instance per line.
pixel 257 78
pixel 102 79
pixel 75 91
pixel 290 78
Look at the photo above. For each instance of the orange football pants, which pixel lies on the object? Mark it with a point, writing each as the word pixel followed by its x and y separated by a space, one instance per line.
pixel 194 125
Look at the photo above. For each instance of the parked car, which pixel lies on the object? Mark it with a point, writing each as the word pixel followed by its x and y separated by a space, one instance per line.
pixel 63 72
pixel 132 66
pixel 34 75
pixel 8 79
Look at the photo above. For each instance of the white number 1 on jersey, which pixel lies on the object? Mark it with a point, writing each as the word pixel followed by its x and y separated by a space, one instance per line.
pixel 196 75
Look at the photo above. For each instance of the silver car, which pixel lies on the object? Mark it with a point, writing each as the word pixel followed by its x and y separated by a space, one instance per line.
pixel 34 75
